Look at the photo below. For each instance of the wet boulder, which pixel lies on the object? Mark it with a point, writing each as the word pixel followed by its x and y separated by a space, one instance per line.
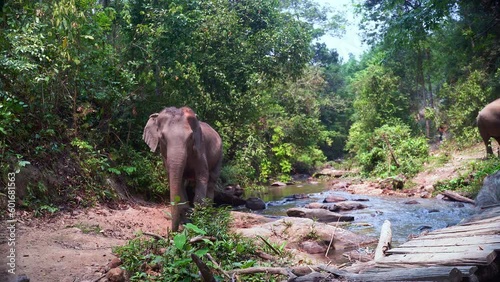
pixel 342 185
pixel 346 206
pixel 314 205
pixel 222 198
pixel 297 197
pixel 489 194
pixel 321 215
pixel 255 203
pixel 330 172
pixel 334 199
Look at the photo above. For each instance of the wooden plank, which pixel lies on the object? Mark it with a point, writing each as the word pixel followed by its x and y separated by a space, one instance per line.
pixel 465 241
pixel 469 258
pixel 470 233
pixel 449 273
pixel 448 249
pixel 481 221
pixel 494 226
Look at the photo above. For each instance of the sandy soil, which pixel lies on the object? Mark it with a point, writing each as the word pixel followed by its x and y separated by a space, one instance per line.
pixel 77 246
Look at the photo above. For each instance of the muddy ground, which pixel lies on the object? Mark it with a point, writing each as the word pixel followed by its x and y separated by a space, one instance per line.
pixel 77 245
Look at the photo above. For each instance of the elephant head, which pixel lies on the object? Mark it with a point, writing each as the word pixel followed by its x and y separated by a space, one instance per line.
pixel 191 150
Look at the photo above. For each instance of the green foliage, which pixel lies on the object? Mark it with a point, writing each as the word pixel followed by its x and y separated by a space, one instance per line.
pixel 159 260
pixel 388 150
pixel 143 172
pixel 378 99
pixel 465 99
pixel 471 180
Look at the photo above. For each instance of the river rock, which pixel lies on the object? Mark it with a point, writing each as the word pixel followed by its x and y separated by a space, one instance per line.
pixel 365 189
pixel 342 185
pixel 330 172
pixel 346 206
pixel 298 196
pixel 489 194
pixel 293 230
pixel 411 202
pixel 312 247
pixel 314 205
pixel 278 183
pixel 227 198
pixel 321 215
pixel 255 203
pixel 361 200
pixel 334 199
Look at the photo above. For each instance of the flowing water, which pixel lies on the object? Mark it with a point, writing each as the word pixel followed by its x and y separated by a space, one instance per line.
pixel 406 219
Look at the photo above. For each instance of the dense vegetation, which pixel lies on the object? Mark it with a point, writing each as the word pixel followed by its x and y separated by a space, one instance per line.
pixel 79 78
pixel 170 259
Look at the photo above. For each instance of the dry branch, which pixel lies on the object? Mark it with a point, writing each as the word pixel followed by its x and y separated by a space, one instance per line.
pixel 269 270
pixel 393 155
pixel 156 236
pixel 458 197
pixel 217 265
pixel 206 274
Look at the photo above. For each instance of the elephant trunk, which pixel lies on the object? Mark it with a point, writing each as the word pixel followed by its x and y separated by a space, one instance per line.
pixel 178 198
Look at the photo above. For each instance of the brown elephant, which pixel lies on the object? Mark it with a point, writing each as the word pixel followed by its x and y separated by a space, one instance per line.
pixel 488 122
pixel 191 150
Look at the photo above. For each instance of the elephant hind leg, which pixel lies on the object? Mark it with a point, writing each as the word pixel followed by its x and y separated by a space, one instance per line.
pixel 498 148
pixel 487 144
pixel 212 179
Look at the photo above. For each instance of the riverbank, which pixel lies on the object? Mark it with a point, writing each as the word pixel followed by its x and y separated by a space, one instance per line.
pixel 77 245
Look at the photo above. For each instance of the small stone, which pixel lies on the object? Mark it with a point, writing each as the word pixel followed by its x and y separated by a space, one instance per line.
pixel 115 262
pixel 412 202
pixel 116 275
pixel 312 247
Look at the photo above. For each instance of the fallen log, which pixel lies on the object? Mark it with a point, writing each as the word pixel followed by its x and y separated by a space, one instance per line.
pixel 384 242
pixel 318 214
pixel 457 197
pixel 270 270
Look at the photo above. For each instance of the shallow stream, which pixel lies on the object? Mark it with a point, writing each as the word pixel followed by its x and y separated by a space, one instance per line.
pixel 406 219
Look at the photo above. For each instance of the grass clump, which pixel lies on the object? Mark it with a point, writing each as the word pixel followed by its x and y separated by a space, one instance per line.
pixel 208 235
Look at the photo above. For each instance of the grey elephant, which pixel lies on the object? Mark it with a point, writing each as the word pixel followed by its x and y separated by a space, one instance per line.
pixel 488 123
pixel 191 150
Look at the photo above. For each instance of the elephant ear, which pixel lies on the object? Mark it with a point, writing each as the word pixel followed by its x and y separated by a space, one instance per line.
pixel 151 135
pixel 194 123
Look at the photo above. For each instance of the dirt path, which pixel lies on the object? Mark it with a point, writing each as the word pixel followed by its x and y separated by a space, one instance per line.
pixel 77 246
pixel 451 169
